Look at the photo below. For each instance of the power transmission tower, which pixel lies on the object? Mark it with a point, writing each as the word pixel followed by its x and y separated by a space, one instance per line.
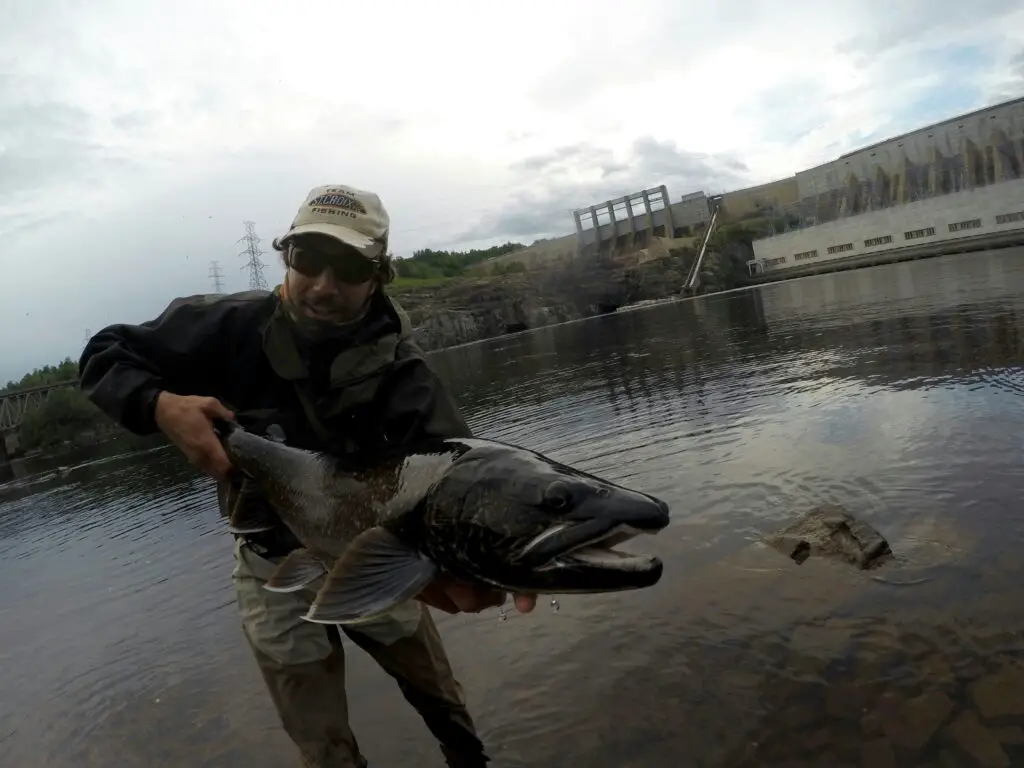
pixel 253 252
pixel 215 276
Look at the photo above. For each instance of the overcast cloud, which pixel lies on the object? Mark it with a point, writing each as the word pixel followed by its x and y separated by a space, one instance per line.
pixel 135 138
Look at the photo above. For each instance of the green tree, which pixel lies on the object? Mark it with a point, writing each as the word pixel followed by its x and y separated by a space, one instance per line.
pixel 65 415
pixel 428 263
pixel 65 370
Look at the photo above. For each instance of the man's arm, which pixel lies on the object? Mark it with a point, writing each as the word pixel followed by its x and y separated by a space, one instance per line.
pixel 124 367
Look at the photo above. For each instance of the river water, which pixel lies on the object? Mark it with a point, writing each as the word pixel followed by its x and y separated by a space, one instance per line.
pixel 894 391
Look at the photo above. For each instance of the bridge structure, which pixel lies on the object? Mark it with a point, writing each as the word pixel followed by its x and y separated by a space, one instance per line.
pixel 13 407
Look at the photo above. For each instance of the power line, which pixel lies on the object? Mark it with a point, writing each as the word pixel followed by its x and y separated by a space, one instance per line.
pixel 253 252
pixel 216 275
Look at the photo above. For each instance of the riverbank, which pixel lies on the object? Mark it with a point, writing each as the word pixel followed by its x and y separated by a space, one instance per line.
pixel 477 308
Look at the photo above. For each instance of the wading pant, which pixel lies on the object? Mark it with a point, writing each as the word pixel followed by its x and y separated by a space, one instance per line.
pixel 303 665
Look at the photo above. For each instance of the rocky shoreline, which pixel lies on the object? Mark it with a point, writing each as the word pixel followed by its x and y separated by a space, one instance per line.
pixel 472 309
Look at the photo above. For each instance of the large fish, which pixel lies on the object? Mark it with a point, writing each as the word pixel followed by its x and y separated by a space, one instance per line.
pixel 480 511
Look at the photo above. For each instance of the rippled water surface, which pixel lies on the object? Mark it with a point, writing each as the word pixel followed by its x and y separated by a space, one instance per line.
pixel 894 391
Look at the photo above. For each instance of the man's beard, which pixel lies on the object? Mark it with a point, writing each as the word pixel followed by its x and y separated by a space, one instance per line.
pixel 334 322
pixel 331 314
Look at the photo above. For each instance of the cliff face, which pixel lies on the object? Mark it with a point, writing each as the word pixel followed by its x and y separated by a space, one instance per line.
pixel 470 309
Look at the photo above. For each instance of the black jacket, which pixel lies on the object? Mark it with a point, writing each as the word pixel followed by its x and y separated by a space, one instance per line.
pixel 217 346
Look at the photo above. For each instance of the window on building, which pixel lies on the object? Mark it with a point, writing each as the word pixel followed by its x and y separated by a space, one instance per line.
pixel 872 241
pixel 1006 218
pixel 916 233
pixel 804 255
pixel 961 225
pixel 840 248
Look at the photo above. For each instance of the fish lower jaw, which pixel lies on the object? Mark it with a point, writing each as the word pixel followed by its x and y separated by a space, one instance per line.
pixel 604 558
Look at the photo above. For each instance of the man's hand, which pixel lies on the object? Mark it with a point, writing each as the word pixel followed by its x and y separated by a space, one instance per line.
pixel 188 421
pixel 453 596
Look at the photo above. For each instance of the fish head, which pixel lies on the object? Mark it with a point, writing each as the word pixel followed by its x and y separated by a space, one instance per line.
pixel 520 521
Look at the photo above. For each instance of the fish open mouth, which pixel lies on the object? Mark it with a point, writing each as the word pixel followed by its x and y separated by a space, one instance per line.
pixel 595 552
pixel 579 553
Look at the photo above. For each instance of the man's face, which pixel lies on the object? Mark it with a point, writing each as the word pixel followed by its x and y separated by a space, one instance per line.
pixel 328 281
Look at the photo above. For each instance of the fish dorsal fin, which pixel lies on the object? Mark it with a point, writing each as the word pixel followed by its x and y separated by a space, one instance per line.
pixel 417 474
pixel 375 574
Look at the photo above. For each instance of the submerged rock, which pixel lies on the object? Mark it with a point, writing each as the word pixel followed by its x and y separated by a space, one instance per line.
pixel 914 722
pixel 832 532
pixel 978 741
pixel 1001 694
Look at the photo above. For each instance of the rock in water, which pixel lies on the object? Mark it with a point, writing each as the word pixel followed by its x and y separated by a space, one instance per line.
pixel 830 531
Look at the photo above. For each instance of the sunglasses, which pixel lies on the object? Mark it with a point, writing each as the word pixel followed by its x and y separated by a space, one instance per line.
pixel 348 267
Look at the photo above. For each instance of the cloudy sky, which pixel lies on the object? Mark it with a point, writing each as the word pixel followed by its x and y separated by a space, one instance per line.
pixel 136 137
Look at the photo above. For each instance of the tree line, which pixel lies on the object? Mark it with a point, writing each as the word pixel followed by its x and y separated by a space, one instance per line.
pixel 65 416
pixel 48 375
pixel 427 263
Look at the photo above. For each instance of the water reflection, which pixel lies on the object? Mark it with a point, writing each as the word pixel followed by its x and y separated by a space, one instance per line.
pixel 892 391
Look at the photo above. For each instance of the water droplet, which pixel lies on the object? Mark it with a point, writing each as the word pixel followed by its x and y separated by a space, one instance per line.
pixel 554 605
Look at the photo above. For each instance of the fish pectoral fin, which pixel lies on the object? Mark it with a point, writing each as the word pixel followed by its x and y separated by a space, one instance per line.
pixel 376 573
pixel 299 569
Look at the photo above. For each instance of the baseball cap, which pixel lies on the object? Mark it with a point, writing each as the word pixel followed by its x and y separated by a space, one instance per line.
pixel 353 216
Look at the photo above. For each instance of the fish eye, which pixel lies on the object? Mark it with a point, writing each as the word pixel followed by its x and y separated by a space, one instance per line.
pixel 557 496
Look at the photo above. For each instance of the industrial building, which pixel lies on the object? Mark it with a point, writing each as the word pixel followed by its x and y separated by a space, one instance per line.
pixel 951 180
pixel 982 147
pixel 945 183
pixel 981 217
pixel 774 197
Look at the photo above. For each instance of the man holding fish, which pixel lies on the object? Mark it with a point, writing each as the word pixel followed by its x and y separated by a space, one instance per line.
pixel 327 362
